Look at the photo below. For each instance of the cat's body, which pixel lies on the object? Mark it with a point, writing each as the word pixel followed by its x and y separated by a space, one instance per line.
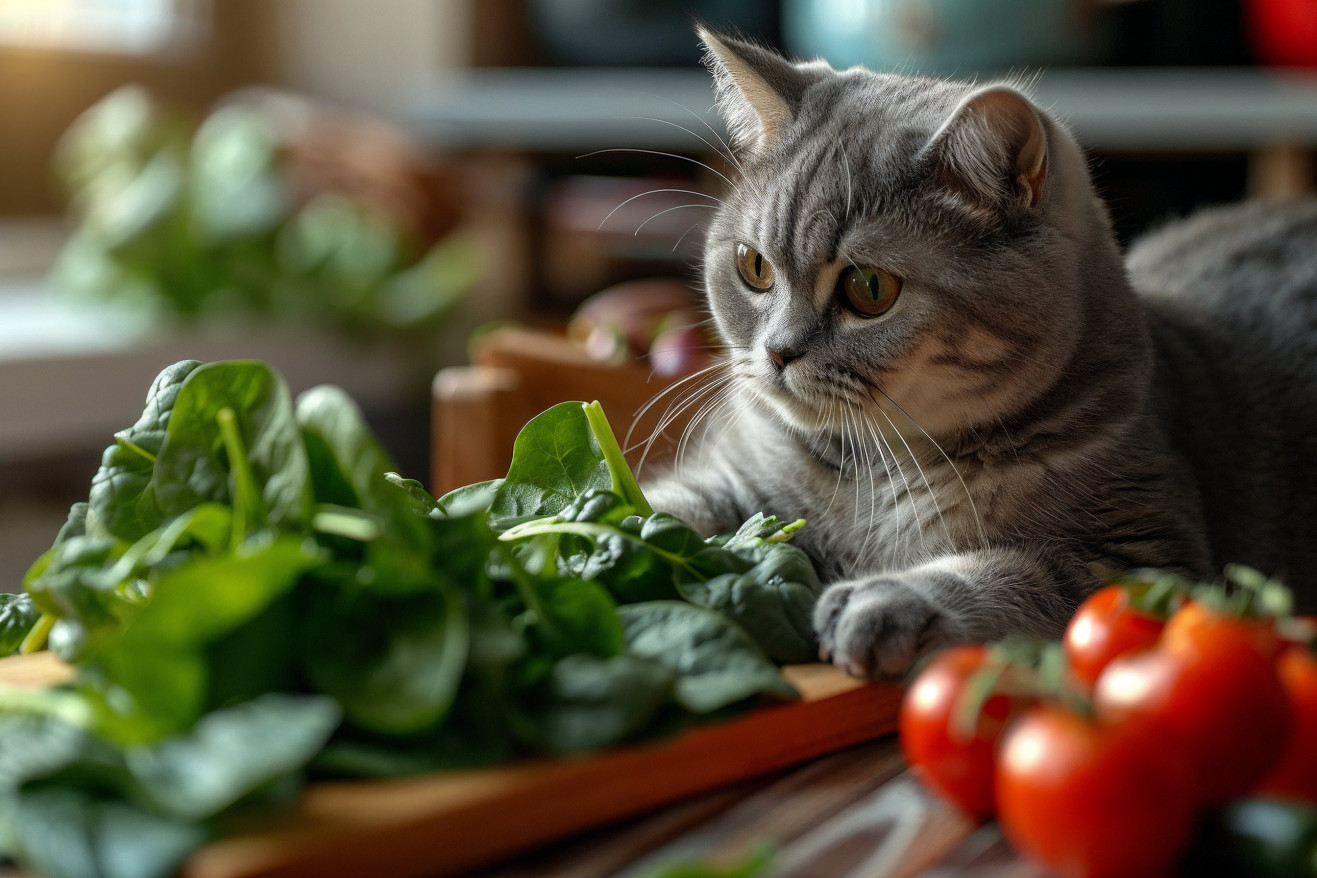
pixel 967 448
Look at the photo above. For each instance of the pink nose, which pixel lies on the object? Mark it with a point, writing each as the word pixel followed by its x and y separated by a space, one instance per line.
pixel 781 358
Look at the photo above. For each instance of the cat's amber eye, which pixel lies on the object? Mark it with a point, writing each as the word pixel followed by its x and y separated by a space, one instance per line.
pixel 755 269
pixel 868 292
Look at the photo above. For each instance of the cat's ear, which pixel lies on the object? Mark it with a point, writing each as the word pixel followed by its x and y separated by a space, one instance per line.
pixel 756 90
pixel 993 149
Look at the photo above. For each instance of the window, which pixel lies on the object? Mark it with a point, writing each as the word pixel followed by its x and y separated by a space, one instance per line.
pixel 131 27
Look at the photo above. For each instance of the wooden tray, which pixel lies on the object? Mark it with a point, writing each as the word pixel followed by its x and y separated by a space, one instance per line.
pixel 443 823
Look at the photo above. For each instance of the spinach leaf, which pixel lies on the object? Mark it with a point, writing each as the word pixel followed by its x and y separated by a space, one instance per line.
pixel 773 601
pixel 120 500
pixel 393 664
pixel 92 585
pixel 349 465
pixel 66 583
pixel 69 832
pixel 758 527
pixel 232 438
pixel 159 660
pixel 589 702
pixel 555 459
pixel 230 753
pixel 716 662
pixel 17 616
pixel 577 616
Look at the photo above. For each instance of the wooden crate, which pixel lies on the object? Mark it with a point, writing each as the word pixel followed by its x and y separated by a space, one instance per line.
pixel 518 373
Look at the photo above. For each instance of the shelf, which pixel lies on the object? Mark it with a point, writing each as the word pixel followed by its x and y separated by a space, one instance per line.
pixel 1111 109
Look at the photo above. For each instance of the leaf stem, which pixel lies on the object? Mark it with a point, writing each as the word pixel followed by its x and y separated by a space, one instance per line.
pixel 35 641
pixel 624 481
pixel 245 494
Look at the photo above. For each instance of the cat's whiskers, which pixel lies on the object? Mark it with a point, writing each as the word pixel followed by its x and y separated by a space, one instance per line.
pixel 883 450
pixel 829 418
pixel 726 153
pixel 969 496
pixel 692 228
pixel 656 192
pixel 671 155
pixel 914 504
pixel 670 210
pixel 871 471
pixel 696 386
pixel 671 388
pixel 715 401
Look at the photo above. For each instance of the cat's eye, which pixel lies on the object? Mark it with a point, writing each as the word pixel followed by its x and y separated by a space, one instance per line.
pixel 754 268
pixel 868 292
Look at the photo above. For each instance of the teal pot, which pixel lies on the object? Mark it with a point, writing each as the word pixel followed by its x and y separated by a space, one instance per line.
pixel 953 37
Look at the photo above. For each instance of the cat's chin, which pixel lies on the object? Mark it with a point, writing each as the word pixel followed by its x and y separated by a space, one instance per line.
pixel 793 412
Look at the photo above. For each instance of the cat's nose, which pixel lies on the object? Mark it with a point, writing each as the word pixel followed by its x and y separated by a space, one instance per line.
pixel 781 357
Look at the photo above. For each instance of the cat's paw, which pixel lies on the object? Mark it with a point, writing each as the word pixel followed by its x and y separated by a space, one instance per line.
pixel 877 628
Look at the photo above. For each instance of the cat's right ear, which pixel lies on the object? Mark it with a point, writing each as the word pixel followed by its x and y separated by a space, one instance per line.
pixel 756 90
pixel 992 151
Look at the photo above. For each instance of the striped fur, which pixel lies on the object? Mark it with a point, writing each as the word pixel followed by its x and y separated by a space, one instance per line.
pixel 1021 414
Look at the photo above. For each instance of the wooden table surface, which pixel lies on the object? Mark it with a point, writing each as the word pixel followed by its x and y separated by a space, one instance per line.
pixel 855 814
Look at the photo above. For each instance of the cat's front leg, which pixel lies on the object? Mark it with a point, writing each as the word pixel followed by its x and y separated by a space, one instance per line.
pixel 877 626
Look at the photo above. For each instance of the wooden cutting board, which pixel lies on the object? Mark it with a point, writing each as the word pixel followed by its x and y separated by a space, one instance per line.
pixel 443 823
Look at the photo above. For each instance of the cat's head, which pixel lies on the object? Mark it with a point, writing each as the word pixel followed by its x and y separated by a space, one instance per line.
pixel 896 249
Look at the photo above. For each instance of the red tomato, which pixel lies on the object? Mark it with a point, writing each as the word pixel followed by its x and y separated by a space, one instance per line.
pixel 1211 693
pixel 1198 622
pixel 1103 627
pixel 1295 776
pixel 1086 800
pixel 958 767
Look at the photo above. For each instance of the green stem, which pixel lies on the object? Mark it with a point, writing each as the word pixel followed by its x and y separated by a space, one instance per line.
pixel 245 493
pixel 35 641
pixel 624 482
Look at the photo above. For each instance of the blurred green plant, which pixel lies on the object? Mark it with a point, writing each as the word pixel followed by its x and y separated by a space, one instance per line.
pixel 217 224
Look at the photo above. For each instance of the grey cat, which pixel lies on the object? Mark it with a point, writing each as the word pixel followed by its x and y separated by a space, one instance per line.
pixel 935 354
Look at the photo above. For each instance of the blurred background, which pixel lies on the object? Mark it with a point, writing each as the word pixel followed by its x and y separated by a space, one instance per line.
pixel 351 190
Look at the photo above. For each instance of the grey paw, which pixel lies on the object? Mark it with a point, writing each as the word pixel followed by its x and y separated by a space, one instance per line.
pixel 879 628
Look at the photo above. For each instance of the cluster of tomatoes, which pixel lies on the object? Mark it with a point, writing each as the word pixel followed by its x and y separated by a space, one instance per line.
pixel 1100 756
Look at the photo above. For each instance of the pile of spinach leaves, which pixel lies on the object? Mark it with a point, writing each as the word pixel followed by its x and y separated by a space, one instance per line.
pixel 250 596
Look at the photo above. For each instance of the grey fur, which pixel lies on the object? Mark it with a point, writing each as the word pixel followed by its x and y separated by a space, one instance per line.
pixel 1021 414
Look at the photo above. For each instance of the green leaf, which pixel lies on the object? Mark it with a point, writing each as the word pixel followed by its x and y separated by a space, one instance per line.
pixel 555 459
pixel 235 187
pixel 588 702
pixel 192 467
pixel 581 616
pixel 158 662
pixel 93 585
pixel 120 501
pixel 17 616
pixel 230 753
pixel 394 664
pixel 433 286
pixel 773 601
pixel 65 832
pixel 468 499
pixel 716 662
pixel 349 465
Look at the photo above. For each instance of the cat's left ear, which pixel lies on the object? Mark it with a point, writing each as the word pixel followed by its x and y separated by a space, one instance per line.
pixel 756 90
pixel 993 149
